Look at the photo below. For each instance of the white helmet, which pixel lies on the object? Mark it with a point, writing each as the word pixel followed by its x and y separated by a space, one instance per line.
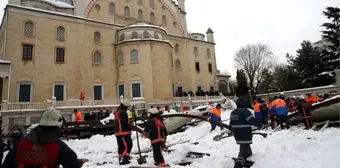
pixel 126 103
pixel 294 97
pixel 302 97
pixel 51 117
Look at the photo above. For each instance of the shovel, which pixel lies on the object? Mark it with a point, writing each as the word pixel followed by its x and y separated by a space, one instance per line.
pixel 141 159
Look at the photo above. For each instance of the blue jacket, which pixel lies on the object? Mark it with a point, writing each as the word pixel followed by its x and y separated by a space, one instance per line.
pixel 280 107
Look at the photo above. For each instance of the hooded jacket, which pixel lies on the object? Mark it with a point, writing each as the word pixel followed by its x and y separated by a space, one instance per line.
pixel 49 139
pixel 121 123
pixel 155 129
pixel 241 120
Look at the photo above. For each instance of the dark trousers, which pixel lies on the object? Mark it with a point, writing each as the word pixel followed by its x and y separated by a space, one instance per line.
pixel 157 154
pixel 244 153
pixel 308 122
pixel 272 121
pixel 124 147
pixel 282 121
pixel 262 121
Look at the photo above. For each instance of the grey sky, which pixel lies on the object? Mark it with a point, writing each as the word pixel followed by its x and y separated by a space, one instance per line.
pixel 282 24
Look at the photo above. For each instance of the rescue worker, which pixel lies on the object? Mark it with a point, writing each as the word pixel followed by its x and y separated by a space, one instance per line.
pixel 123 132
pixel 260 111
pixel 292 104
pixel 42 147
pixel 241 120
pixel 77 115
pixel 304 108
pixel 130 116
pixel 214 114
pixel 281 111
pixel 157 133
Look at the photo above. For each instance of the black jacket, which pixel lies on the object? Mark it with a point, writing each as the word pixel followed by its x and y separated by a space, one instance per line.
pixel 43 136
pixel 121 122
pixel 303 107
pixel 156 129
pixel 241 120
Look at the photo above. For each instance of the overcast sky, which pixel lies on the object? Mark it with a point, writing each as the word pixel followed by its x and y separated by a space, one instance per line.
pixel 282 24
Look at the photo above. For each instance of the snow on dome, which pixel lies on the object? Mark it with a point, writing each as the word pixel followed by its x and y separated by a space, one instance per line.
pixel 58 3
pixel 146 25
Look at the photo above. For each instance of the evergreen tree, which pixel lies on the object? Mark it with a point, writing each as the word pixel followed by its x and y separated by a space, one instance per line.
pixel 242 84
pixel 331 36
pixel 266 85
pixel 307 64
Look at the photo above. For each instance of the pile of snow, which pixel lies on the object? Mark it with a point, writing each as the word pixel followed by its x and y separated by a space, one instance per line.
pixel 284 149
pixel 58 4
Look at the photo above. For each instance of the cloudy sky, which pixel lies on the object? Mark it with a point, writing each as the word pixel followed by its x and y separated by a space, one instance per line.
pixel 282 24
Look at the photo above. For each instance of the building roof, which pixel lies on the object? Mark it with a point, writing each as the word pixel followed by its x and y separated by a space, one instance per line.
pixel 60 3
pixel 209 31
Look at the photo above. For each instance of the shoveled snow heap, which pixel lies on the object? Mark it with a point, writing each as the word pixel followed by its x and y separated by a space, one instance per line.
pixel 294 148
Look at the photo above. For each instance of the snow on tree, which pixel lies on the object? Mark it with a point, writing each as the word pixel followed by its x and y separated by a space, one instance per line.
pixel 331 36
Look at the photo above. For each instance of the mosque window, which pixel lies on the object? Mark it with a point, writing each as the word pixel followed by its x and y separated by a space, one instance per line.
pixel 29 28
pixel 97 7
pixel 61 33
pixel 134 35
pixel 96 38
pixel 134 56
pixel 208 53
pixel 151 4
pixel 140 2
pixel 152 17
pixel 164 22
pixel 176 48
pixel 196 51
pixel 178 65
pixel 121 58
pixel 97 58
pixel 126 11
pixel 140 14
pixel 122 37
pixel 112 8
pixel 146 34
pixel 156 36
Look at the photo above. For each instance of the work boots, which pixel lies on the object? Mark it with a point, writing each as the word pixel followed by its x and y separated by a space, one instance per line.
pixel 124 160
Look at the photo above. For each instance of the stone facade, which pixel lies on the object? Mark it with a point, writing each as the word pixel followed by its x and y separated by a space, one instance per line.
pixel 96 54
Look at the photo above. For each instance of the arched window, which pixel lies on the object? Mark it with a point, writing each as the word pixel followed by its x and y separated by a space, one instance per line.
pixel 155 34
pixel 96 37
pixel 134 56
pixel 146 34
pixel 126 11
pixel 140 14
pixel 152 17
pixel 178 65
pixel 196 51
pixel 164 22
pixel 122 37
pixel 112 8
pixel 134 35
pixel 97 58
pixel 29 28
pixel 151 4
pixel 140 2
pixel 97 7
pixel 121 58
pixel 60 33
pixel 208 53
pixel 176 48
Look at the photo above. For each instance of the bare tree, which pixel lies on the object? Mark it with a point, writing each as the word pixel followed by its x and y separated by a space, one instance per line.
pixel 255 60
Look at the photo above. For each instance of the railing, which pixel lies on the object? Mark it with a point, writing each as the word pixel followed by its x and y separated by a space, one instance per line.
pixel 74 103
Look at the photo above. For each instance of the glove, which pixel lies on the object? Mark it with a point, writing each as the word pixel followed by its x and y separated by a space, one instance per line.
pixel 83 160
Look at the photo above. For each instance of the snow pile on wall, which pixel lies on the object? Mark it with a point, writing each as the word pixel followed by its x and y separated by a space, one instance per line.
pixel 58 3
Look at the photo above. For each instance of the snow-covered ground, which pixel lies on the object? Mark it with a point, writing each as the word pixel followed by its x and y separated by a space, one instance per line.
pixel 294 148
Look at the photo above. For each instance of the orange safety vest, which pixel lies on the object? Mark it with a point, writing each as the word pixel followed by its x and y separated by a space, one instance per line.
pixel 78 116
pixel 216 112
pixel 256 107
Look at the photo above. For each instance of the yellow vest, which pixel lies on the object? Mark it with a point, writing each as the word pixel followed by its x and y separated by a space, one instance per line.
pixel 130 115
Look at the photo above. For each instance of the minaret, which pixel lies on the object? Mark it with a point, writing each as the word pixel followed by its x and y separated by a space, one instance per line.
pixel 210 35
pixel 181 4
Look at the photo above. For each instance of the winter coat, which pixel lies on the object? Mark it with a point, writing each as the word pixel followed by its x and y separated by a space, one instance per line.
pixel 121 123
pixel 280 107
pixel 52 151
pixel 78 116
pixel 304 108
pixel 241 121
pixel 214 114
pixel 260 111
pixel 155 129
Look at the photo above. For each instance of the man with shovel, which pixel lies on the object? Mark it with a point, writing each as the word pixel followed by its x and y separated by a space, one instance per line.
pixel 157 133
